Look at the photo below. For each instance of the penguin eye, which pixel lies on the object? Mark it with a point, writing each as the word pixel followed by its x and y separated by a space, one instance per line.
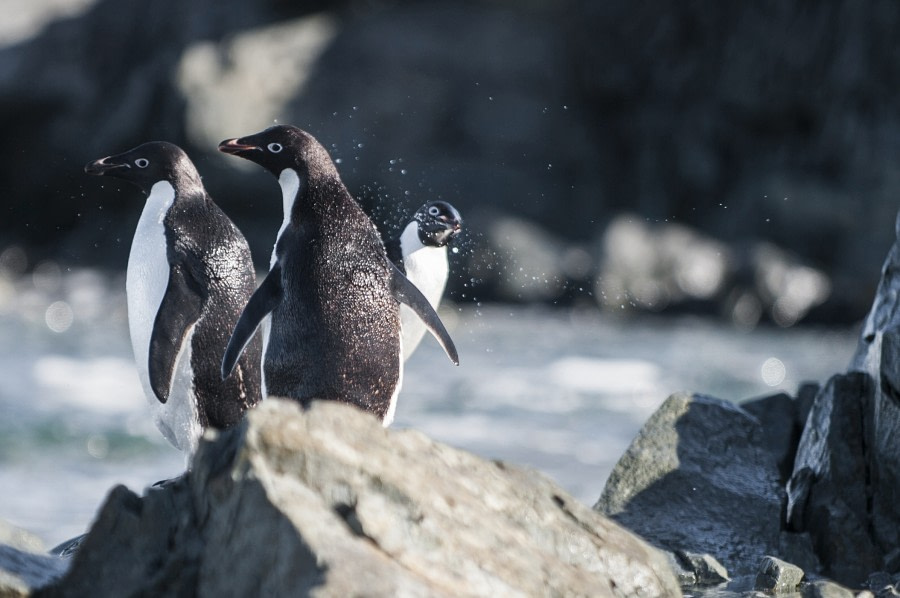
pixel 142 162
pixel 275 147
pixel 434 211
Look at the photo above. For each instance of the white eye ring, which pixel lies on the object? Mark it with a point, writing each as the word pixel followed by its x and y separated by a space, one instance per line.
pixel 142 162
pixel 274 147
pixel 434 211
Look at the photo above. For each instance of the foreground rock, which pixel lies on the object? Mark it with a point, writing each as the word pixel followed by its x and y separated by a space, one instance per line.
pixel 328 503
pixel 845 487
pixel 23 564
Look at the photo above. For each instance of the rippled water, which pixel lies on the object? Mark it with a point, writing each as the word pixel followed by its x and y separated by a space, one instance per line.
pixel 563 392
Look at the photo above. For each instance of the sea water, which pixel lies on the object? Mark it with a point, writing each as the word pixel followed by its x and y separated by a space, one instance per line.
pixel 560 391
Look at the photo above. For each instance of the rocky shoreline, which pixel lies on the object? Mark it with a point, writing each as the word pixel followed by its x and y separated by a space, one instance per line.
pixel 777 495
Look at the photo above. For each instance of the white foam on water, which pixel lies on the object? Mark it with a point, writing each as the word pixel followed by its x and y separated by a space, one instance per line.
pixel 605 376
pixel 102 384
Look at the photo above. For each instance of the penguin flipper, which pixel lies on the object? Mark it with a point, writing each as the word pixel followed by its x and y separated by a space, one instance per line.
pixel 395 254
pixel 179 310
pixel 406 292
pixel 261 303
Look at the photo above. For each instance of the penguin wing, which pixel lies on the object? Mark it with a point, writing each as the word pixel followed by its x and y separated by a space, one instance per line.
pixel 395 253
pixel 406 292
pixel 261 303
pixel 179 310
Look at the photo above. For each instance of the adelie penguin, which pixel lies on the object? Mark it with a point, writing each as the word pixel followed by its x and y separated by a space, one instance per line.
pixel 420 252
pixel 189 276
pixel 332 293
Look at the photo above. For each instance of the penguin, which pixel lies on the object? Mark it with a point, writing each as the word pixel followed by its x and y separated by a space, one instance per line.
pixel 420 252
pixel 333 295
pixel 189 275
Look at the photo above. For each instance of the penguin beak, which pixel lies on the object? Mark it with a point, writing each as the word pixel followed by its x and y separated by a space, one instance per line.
pixel 452 223
pixel 445 224
pixel 101 166
pixel 235 147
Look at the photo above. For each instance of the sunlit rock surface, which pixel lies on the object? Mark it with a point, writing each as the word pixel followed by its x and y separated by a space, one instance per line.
pixel 328 503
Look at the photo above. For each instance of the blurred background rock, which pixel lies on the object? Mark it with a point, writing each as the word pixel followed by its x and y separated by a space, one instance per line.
pixel 738 159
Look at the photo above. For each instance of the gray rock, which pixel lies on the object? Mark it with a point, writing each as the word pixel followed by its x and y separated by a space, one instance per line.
pixel 822 588
pixel 829 488
pixel 23 566
pixel 806 396
pixel 69 547
pixel 881 583
pixel 780 419
pixel 778 576
pixel 878 354
pixel 700 477
pixel 845 487
pixel 704 569
pixel 328 503
pixel 21 539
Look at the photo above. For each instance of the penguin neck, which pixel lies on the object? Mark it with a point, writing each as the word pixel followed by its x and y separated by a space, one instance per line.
pixel 426 265
pixel 289 181
pixel 409 239
pixel 186 181
pixel 312 195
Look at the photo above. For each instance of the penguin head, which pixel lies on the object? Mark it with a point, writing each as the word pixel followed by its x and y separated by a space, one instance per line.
pixel 282 147
pixel 438 223
pixel 147 165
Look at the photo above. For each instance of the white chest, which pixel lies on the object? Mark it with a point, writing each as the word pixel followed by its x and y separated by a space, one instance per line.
pixel 427 268
pixel 145 286
pixel 148 274
pixel 289 182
